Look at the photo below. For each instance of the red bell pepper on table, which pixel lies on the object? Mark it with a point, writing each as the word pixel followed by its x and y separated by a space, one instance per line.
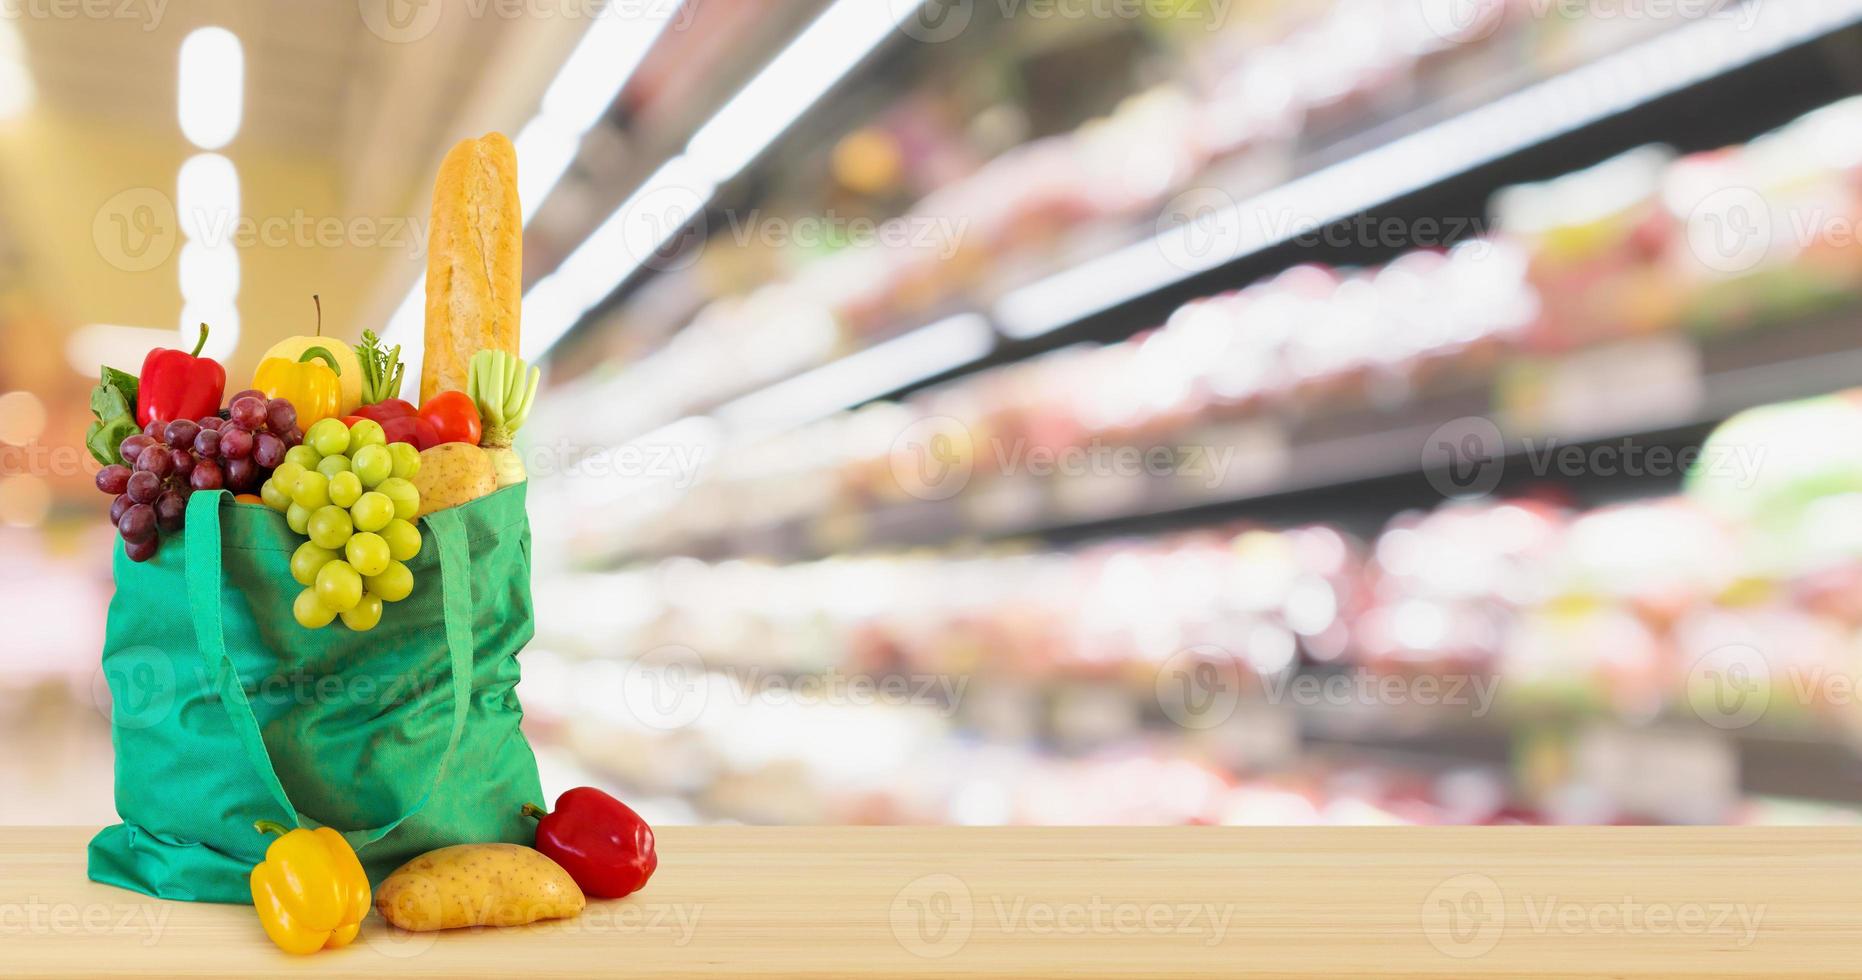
pixel 179 385
pixel 600 841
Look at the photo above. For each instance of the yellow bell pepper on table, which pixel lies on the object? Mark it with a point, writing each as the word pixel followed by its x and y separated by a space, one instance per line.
pixel 310 891
pixel 314 389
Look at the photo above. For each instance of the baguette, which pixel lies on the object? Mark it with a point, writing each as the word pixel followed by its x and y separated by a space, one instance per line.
pixel 475 258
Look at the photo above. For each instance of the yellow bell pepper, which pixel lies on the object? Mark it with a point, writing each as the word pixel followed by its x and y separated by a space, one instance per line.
pixel 349 366
pixel 310 891
pixel 316 391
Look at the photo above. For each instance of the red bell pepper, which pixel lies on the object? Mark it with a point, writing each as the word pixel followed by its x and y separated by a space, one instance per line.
pixel 416 432
pixel 600 841
pixel 387 410
pixel 179 385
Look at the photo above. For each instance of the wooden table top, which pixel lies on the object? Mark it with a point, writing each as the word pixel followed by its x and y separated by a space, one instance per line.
pixel 1073 902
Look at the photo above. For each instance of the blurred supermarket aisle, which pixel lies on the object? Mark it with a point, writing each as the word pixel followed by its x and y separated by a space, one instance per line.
pixel 68 776
pixel 1357 411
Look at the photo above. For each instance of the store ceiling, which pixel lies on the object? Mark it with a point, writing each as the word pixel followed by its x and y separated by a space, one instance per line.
pixel 301 63
pixel 338 122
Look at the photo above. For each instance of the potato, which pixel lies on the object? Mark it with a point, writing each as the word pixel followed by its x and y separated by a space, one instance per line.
pixel 478 885
pixel 451 474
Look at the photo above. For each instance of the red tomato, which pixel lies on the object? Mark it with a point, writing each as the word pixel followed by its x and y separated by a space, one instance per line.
pixel 386 410
pixel 351 420
pixel 453 416
pixel 416 432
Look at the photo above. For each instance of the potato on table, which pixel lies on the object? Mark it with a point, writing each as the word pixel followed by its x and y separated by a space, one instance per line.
pixel 478 885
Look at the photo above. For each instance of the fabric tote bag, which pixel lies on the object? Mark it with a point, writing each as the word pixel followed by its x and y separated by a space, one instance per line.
pixel 226 711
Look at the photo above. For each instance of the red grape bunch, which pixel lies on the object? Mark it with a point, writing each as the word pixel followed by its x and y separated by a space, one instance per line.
pixel 168 461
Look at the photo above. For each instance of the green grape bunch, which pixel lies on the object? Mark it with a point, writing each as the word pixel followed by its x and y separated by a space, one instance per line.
pixel 352 495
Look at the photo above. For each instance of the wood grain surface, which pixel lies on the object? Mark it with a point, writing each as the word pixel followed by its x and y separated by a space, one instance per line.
pixel 1024 902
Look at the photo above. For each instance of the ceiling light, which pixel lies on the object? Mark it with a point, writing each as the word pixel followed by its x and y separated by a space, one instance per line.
pixel 16 91
pixel 827 50
pixel 212 86
pixel 599 67
pixel 207 199
pixel 831 46
pixel 209 273
pixel 586 84
pixel 858 378
pixel 662 206
pixel 545 149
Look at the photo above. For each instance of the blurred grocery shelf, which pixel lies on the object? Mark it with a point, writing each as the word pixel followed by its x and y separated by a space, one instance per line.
pixel 1596 310
pixel 1357 467
pixel 1332 152
pixel 1295 411
pixel 1428 536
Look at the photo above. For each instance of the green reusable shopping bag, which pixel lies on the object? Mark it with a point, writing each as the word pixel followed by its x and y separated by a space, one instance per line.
pixel 226 711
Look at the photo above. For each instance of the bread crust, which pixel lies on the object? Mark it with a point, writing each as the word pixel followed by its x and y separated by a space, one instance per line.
pixel 475 256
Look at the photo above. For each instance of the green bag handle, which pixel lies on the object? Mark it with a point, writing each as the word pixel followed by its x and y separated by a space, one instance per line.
pixel 204 573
